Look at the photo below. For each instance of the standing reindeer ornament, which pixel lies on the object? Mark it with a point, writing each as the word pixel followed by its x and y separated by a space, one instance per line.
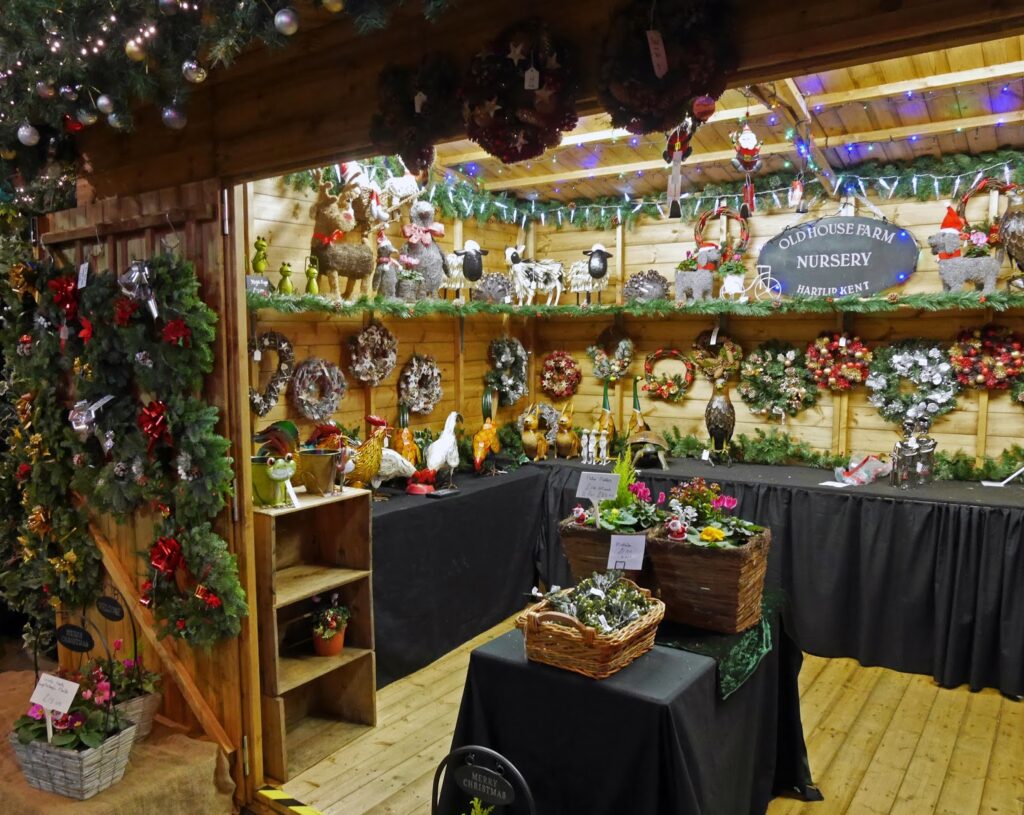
pixel 532 276
pixel 339 245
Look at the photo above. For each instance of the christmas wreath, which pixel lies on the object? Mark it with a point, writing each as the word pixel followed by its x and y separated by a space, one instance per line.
pixel 263 403
pixel 671 388
pixel 989 358
pixel 414 110
pixel 419 384
pixel 508 377
pixel 520 93
pixel 717 362
pixel 374 354
pixel 560 376
pixel 838 361
pixel 317 388
pixel 912 379
pixel 614 365
pixel 690 42
pixel 775 382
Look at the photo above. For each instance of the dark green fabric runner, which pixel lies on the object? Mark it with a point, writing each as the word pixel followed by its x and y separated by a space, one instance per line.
pixel 736 655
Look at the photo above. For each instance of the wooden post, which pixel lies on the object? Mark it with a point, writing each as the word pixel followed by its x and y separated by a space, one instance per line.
pixel 981 438
pixel 459 347
pixel 620 260
pixel 369 400
pixel 458 241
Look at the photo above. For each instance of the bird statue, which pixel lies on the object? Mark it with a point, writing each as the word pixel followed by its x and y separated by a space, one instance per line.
pixel 404 443
pixel 720 418
pixel 606 421
pixel 485 440
pixel 392 465
pixel 443 452
pixel 1011 235
pixel 367 456
pixel 637 422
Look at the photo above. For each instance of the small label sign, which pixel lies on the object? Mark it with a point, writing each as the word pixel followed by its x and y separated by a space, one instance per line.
pixel 659 60
pixel 75 638
pixel 627 552
pixel 83 275
pixel 54 693
pixel 110 608
pixel 531 80
pixel 487 785
pixel 597 486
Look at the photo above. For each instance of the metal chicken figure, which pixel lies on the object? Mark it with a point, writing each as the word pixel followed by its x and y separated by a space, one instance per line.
pixel 368 455
pixel 443 453
pixel 485 440
pixel 403 441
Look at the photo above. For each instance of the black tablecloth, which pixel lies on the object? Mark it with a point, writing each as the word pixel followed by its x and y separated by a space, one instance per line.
pixel 654 738
pixel 446 569
pixel 928 581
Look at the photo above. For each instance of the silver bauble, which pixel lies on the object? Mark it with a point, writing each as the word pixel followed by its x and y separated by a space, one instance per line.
pixel 28 135
pixel 118 121
pixel 86 117
pixel 193 71
pixel 168 7
pixel 286 21
pixel 45 90
pixel 68 93
pixel 104 104
pixel 174 117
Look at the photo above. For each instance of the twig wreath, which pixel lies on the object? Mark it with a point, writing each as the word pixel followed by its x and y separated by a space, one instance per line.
pixel 508 377
pixel 988 358
pixel 838 361
pixel 317 388
pixel 419 384
pixel 374 354
pixel 670 388
pixel 560 375
pixel 912 379
pixel 775 382
pixel 718 362
pixel 520 93
pixel 613 365
pixel 263 403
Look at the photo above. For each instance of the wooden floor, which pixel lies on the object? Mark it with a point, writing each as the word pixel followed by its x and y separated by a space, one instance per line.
pixel 879 742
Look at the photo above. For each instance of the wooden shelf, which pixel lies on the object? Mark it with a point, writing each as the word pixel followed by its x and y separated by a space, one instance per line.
pixel 307 501
pixel 296 583
pixel 294 672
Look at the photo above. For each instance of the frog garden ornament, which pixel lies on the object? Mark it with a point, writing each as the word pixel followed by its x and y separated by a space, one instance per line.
pixel 286 286
pixel 270 477
pixel 312 273
pixel 259 257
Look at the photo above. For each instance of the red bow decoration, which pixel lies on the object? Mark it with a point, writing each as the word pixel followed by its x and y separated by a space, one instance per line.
pixel 177 333
pixel 153 424
pixel 336 236
pixel 165 556
pixel 207 596
pixel 124 308
pixel 86 333
pixel 948 255
pixel 145 594
pixel 414 233
pixel 65 295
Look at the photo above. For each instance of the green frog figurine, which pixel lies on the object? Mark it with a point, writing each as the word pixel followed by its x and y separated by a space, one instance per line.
pixel 312 273
pixel 259 258
pixel 270 477
pixel 286 286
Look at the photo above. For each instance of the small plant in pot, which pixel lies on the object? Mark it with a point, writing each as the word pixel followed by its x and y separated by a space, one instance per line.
pixel 136 690
pixel 329 623
pixel 409 281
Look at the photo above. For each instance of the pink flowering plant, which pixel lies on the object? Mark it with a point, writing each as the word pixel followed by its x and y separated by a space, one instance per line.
pixel 330 618
pixel 90 721
pixel 128 676
pixel 706 515
pixel 634 508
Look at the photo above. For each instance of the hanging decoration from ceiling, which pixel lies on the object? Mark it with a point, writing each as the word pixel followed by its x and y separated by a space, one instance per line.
pixel 912 379
pixel 263 403
pixel 415 110
pixel 838 361
pixel 508 377
pixel 774 381
pixel 989 358
pixel 374 354
pixel 419 384
pixel 560 375
pixel 519 94
pixel 661 61
pixel 747 161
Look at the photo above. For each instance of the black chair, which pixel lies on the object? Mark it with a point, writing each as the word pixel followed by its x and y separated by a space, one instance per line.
pixel 480 772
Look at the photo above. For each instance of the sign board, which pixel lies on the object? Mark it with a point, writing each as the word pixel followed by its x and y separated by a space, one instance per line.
pixel 54 693
pixel 838 256
pixel 110 608
pixel 627 552
pixel 485 784
pixel 75 638
pixel 597 486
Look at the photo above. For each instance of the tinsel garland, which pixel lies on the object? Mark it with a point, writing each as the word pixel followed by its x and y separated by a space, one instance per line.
pixel 987 358
pixel 419 384
pixel 912 379
pixel 838 361
pixel 508 377
pixel 775 382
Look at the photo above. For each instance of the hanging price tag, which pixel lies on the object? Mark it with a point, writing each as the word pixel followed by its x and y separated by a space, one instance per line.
pixel 705 456
pixel 842 342
pixel 531 81
pixel 418 101
pixel 83 275
pixel 627 552
pixel 257 355
pixel 659 60
pixel 54 693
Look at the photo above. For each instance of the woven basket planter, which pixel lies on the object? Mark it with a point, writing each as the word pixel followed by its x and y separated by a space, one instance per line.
pixel 140 711
pixel 73 773
pixel 564 642
pixel 586 549
pixel 715 589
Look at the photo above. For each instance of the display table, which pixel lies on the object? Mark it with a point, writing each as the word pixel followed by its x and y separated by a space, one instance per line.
pixel 926 580
pixel 654 738
pixel 446 569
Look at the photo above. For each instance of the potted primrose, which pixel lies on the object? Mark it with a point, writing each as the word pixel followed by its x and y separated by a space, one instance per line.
pixel 329 623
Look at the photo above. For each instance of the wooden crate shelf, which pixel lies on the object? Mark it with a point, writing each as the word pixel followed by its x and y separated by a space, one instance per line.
pixel 319 547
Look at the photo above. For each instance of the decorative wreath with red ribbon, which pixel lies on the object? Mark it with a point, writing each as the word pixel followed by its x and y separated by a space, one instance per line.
pixel 838 361
pixel 989 358
pixel 560 375
pixel 670 388
pixel 732 215
pixel 520 93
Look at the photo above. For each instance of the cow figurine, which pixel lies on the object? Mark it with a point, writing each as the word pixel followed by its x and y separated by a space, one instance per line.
pixel 532 276
pixel 698 282
pixel 954 269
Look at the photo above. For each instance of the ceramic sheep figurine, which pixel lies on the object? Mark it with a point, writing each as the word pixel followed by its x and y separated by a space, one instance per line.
pixel 954 270
pixel 422 247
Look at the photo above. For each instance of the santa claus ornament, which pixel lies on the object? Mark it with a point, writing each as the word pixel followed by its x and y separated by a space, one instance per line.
pixel 747 160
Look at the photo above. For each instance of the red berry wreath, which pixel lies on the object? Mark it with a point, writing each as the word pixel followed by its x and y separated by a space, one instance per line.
pixel 561 375
pixel 671 388
pixel 838 361
pixel 989 358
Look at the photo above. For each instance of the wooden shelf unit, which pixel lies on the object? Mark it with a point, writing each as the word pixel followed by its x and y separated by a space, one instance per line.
pixel 319 547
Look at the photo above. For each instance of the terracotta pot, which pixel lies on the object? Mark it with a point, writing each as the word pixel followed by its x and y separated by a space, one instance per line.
pixel 331 647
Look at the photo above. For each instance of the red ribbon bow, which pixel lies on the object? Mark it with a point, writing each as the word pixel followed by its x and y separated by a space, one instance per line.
pixel 65 295
pixel 165 556
pixel 327 240
pixel 153 424
pixel 86 333
pixel 177 333
pixel 948 255
pixel 414 233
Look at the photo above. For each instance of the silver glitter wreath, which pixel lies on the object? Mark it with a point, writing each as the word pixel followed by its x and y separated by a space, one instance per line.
pixel 317 388
pixel 374 354
pixel 508 377
pixel 419 384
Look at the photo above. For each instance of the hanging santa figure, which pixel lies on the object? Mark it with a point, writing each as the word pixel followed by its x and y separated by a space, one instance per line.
pixel 747 160
pixel 795 196
pixel 677 150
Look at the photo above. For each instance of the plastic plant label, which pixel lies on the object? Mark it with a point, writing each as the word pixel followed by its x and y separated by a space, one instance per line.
pixel 54 693
pixel 705 455
pixel 598 487
pixel 627 552
pixel 531 79
pixel 659 60
pixel 293 496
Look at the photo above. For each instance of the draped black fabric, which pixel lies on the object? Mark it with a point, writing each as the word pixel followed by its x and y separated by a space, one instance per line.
pixel 654 738
pixel 928 581
pixel 446 569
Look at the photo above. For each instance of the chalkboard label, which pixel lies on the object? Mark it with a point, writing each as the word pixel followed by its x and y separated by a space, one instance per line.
pixel 487 785
pixel 840 256
pixel 75 638
pixel 110 608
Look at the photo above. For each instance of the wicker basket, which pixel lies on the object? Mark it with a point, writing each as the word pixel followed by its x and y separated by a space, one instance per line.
pixel 141 711
pixel 716 589
pixel 564 642
pixel 73 773
pixel 586 549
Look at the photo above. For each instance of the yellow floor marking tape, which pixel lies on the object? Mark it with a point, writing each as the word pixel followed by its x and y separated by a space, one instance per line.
pixel 281 801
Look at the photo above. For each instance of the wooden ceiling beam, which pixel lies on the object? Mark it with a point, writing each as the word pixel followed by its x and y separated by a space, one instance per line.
pixel 972 76
pixel 924 129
